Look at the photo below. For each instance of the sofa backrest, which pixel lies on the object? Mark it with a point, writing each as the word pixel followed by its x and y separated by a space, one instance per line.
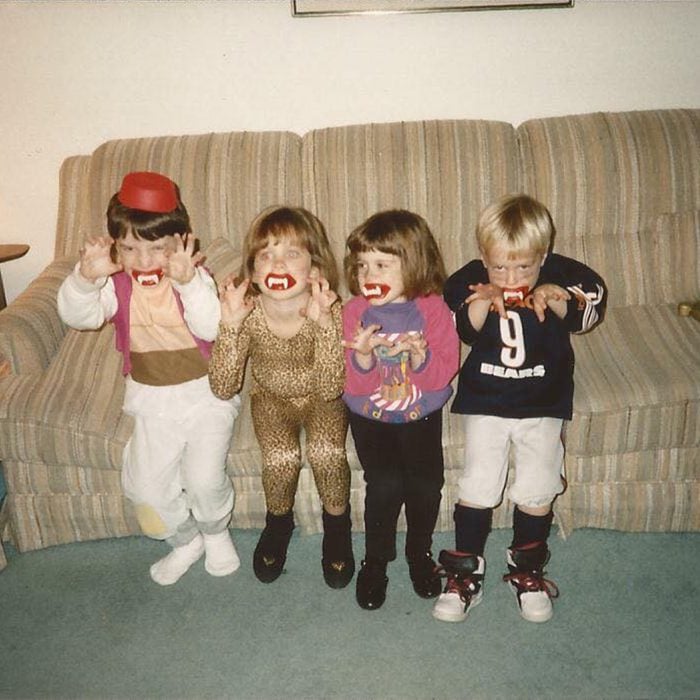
pixel 225 180
pixel 445 170
pixel 607 178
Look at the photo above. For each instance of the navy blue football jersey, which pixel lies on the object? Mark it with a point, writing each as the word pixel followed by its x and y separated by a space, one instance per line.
pixel 520 367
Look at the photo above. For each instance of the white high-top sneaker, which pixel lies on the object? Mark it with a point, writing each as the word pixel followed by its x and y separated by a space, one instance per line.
pixel 532 590
pixel 465 575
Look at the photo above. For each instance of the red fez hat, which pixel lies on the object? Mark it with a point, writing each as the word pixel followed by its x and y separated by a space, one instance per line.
pixel 148 192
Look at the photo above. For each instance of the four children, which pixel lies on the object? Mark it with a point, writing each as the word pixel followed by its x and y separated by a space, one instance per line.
pixel 385 364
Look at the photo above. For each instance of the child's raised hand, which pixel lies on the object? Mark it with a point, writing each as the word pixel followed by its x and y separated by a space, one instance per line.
pixel 235 304
pixel 321 300
pixel 550 296
pixel 182 261
pixel 491 293
pixel 415 344
pixel 365 340
pixel 95 258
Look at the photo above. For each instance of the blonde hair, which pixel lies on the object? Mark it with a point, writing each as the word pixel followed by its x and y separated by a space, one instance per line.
pixel 406 235
pixel 283 222
pixel 518 222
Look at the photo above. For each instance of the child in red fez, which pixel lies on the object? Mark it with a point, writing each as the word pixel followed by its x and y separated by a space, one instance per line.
pixel 145 278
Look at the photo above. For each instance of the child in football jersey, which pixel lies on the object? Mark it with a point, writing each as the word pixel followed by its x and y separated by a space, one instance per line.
pixel 402 351
pixel 516 307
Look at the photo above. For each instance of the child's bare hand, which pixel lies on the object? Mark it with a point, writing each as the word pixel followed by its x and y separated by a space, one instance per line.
pixel 366 339
pixel 550 296
pixel 235 304
pixel 95 258
pixel 320 302
pixel 491 293
pixel 415 344
pixel 183 260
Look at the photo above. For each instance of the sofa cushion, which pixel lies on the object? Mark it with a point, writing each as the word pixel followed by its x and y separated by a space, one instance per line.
pixel 610 173
pixel 444 170
pixel 638 374
pixel 225 180
pixel 637 383
pixel 221 259
pixel 675 256
pixel 657 264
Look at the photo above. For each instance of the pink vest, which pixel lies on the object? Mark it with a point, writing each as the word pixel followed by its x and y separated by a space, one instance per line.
pixel 122 325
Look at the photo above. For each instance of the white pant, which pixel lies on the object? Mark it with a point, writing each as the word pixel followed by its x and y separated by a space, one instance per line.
pixel 174 463
pixel 538 455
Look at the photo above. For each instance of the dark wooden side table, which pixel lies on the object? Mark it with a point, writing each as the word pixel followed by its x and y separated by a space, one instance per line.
pixel 9 252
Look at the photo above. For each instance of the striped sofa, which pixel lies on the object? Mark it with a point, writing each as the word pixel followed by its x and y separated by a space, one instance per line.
pixel 624 191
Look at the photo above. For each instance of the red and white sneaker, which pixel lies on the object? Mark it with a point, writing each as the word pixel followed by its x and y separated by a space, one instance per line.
pixel 465 574
pixel 532 590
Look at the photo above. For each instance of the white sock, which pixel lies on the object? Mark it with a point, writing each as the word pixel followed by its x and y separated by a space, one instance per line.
pixel 170 568
pixel 221 558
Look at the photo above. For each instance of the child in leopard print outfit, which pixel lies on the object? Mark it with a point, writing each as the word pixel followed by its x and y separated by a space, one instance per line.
pixel 284 317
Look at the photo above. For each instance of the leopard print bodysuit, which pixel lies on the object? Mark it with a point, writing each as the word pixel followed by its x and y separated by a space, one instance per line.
pixel 297 383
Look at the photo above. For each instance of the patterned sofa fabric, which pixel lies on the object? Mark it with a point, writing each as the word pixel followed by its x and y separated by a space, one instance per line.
pixel 624 190
pixel 62 431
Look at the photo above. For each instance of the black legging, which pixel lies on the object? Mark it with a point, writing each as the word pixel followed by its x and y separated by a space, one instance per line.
pixel 403 464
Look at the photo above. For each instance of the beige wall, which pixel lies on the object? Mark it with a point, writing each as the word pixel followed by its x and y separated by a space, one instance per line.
pixel 74 74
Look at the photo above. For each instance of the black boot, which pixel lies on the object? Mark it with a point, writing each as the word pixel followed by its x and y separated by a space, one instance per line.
pixel 371 584
pixel 271 552
pixel 338 561
pixel 424 576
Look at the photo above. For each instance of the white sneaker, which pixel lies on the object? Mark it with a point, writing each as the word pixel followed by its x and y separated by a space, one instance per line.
pixel 526 579
pixel 465 575
pixel 221 558
pixel 173 566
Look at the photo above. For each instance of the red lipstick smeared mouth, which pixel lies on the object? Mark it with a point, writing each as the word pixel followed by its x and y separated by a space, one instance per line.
pixel 148 278
pixel 515 294
pixel 375 291
pixel 279 282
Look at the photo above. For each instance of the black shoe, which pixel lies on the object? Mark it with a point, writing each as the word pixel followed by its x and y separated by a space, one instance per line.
pixel 271 552
pixel 338 561
pixel 424 576
pixel 371 584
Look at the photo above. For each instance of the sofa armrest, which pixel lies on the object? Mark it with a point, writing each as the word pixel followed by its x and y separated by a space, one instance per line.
pixel 30 328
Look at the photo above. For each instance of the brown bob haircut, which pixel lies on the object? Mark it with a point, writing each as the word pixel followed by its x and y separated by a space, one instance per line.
pixel 281 222
pixel 406 235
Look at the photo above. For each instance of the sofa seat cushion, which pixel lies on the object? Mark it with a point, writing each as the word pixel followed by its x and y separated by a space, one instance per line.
pixel 637 383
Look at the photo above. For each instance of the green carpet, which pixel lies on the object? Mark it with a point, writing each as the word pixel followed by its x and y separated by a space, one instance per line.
pixel 85 621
